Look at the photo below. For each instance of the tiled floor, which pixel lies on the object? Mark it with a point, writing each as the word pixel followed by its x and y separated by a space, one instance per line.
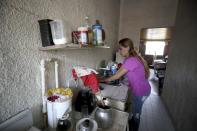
pixel 154 115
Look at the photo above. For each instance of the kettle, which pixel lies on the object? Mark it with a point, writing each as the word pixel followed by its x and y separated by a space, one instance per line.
pixel 103 116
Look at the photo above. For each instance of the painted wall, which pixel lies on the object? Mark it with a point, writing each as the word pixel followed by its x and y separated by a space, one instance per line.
pixel 180 85
pixel 137 14
pixel 20 82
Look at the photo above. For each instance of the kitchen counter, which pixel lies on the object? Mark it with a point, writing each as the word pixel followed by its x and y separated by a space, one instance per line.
pixel 117 95
pixel 115 92
pixel 120 119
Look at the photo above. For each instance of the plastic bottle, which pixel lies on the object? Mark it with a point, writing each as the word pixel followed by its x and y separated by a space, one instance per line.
pixel 90 33
pixel 113 69
pixel 98 34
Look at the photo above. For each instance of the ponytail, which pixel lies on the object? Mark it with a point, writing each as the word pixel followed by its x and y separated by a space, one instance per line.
pixel 146 68
pixel 132 52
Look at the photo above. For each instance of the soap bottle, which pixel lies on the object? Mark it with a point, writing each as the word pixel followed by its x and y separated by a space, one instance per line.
pixel 99 34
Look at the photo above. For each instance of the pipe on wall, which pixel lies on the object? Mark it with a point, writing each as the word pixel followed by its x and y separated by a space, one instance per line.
pixel 43 80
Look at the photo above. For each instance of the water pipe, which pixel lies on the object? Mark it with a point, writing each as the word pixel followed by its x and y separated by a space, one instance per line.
pixel 56 74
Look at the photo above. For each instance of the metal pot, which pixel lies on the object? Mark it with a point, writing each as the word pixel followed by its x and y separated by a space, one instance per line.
pixel 86 124
pixel 103 117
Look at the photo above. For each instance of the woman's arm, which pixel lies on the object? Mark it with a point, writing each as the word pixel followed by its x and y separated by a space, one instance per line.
pixel 116 76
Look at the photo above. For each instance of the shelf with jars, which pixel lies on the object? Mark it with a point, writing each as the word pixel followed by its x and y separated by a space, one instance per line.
pixel 55 37
pixel 70 47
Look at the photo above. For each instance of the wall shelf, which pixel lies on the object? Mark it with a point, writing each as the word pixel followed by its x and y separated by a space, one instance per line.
pixel 70 47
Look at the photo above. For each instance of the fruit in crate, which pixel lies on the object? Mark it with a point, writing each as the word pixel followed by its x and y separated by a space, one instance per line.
pixel 52 98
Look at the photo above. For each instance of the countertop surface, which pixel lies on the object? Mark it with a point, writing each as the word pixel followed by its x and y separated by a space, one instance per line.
pixel 118 96
pixel 120 121
pixel 118 93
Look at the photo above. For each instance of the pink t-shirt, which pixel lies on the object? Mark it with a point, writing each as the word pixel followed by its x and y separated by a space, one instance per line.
pixel 136 76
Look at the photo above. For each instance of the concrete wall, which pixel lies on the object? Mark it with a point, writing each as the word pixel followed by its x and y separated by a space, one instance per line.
pixel 180 85
pixel 20 84
pixel 137 14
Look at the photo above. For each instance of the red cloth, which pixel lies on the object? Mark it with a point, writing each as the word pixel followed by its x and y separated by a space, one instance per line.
pixel 74 74
pixel 90 81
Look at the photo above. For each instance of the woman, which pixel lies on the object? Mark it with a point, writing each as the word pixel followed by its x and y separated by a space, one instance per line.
pixel 136 70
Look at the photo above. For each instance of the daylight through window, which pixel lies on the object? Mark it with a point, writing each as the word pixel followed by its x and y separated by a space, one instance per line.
pixel 154 47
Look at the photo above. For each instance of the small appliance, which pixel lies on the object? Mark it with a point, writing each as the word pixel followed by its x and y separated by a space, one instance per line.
pixel 85 99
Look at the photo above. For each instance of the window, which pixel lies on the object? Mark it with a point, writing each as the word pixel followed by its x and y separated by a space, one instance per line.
pixel 154 43
pixel 154 48
pixel 155 34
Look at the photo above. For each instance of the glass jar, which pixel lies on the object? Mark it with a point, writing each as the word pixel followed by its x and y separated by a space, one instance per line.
pixel 83 33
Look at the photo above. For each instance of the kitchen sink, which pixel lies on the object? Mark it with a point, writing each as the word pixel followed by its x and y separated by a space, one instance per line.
pixel 119 105
pixel 116 96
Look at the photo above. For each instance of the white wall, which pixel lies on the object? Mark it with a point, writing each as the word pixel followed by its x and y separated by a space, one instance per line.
pixel 20 85
pixel 137 14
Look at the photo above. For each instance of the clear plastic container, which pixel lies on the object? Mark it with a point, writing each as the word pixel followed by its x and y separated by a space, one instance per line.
pixel 57 29
pixel 98 36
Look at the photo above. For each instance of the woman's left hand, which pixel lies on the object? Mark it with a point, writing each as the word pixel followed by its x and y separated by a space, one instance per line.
pixel 102 79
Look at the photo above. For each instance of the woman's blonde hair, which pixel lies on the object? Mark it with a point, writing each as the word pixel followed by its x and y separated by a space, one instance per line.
pixel 126 42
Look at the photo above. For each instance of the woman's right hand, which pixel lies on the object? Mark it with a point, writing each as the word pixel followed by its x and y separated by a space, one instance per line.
pixel 101 79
